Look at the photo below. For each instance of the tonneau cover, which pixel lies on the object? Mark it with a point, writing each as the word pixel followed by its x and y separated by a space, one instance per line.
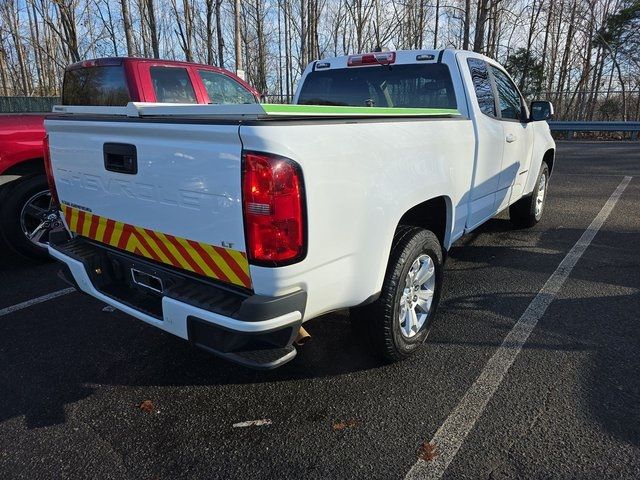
pixel 251 111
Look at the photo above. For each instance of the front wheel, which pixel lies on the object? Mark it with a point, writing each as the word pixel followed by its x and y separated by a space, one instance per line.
pixel 527 211
pixel 397 323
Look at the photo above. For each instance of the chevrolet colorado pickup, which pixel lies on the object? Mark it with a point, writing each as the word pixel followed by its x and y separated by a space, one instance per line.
pixel 25 213
pixel 230 226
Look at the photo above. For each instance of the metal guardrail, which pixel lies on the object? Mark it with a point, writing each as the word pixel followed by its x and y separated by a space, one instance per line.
pixel 571 127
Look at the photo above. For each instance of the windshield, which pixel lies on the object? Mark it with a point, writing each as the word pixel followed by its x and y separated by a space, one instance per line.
pixel 97 85
pixel 408 86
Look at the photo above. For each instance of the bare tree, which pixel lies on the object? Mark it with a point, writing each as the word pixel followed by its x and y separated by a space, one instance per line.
pixel 128 30
pixel 566 49
pixel 467 24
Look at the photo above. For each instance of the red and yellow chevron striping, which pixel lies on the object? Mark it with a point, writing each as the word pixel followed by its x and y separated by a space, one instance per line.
pixel 220 263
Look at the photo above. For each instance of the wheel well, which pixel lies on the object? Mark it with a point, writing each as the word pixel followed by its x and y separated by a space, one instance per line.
pixel 27 167
pixel 431 215
pixel 548 158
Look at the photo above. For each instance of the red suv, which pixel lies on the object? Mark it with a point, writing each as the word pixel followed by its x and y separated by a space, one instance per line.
pixel 25 211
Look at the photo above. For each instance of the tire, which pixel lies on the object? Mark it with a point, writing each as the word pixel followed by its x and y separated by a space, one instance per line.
pixel 528 211
pixel 381 322
pixel 14 197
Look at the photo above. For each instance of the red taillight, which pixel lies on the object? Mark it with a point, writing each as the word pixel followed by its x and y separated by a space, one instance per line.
pixel 49 171
pixel 273 205
pixel 381 58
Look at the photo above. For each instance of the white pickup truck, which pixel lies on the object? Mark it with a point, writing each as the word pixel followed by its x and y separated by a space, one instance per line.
pixel 231 225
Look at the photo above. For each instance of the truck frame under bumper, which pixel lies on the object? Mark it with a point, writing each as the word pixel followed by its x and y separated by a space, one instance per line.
pixel 253 330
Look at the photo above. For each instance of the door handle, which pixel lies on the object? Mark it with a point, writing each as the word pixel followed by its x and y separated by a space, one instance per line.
pixel 120 158
pixel 510 138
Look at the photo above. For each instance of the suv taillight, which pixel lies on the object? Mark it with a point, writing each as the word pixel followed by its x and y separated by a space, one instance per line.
pixel 49 171
pixel 273 206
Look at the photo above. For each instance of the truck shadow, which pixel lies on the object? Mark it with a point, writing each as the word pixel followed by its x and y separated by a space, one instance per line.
pixel 44 372
pixel 57 358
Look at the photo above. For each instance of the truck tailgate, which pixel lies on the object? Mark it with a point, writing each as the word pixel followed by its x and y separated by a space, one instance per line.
pixel 156 189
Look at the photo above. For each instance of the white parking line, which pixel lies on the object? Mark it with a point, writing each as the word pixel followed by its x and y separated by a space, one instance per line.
pixel 449 437
pixel 35 301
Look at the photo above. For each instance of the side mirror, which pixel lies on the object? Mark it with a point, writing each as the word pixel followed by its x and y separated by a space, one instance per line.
pixel 541 110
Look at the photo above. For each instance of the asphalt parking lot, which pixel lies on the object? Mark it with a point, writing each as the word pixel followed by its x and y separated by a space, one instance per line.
pixel 73 376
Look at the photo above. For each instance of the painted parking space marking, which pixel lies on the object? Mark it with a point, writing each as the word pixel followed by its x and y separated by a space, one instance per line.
pixel 35 301
pixel 452 433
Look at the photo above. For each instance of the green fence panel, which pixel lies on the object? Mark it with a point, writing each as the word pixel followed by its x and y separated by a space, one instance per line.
pixel 27 104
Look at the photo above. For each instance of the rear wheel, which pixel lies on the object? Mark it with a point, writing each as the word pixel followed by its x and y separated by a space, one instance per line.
pixel 527 211
pixel 397 323
pixel 24 207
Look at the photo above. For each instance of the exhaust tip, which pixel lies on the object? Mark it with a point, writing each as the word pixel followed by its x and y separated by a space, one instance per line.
pixel 302 337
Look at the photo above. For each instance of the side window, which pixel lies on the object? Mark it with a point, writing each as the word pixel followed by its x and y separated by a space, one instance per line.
pixel 482 86
pixel 172 85
pixel 223 89
pixel 95 86
pixel 508 95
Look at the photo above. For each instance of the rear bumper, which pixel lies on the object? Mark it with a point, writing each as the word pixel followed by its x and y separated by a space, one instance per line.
pixel 253 330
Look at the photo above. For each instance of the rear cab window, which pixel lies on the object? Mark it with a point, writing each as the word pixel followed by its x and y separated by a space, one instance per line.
pixel 95 85
pixel 172 85
pixel 405 86
pixel 223 89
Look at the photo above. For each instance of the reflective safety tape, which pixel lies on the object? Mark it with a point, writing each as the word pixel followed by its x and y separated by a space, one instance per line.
pixel 211 261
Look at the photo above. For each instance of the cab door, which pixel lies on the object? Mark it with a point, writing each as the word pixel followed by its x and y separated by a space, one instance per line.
pixel 489 134
pixel 517 139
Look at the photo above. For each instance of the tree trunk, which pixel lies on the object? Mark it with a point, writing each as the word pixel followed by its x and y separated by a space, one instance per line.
pixel 532 25
pixel 153 32
pixel 478 41
pixel 467 21
pixel 219 34
pixel 303 35
pixel 238 36
pixel 128 32
pixel 435 29
pixel 209 31
pixel 3 68
pixel 261 80
pixel 13 20
pixel 546 37
pixel 35 40
pixel 188 30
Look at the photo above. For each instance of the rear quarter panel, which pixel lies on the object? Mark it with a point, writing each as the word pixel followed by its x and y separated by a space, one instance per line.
pixel 360 178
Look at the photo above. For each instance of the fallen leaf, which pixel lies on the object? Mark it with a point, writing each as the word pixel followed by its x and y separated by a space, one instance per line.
pixel 342 425
pixel 253 423
pixel 146 406
pixel 427 451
